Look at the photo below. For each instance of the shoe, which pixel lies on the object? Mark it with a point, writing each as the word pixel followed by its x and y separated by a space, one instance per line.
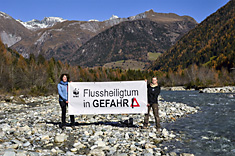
pixel 72 124
pixel 62 127
pixel 144 127
pixel 130 122
pixel 125 122
pixel 158 129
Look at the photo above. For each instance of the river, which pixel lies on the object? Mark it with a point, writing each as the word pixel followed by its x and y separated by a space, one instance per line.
pixel 209 132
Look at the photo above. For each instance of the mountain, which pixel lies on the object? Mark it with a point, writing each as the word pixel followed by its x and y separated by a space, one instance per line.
pixel 60 39
pixel 63 39
pixel 129 40
pixel 45 23
pixel 11 31
pixel 211 44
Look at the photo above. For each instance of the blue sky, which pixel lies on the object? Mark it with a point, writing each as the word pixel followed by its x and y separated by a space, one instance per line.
pixel 103 9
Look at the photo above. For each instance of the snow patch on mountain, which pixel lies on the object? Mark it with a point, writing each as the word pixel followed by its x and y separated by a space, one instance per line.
pixel 45 23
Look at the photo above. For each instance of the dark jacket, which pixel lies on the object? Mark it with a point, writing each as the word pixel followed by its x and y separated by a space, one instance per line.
pixel 153 93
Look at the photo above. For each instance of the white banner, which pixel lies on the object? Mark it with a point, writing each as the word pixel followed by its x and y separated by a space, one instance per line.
pixel 123 97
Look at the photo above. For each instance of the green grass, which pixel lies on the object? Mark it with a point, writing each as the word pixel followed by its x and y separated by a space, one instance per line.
pixel 153 56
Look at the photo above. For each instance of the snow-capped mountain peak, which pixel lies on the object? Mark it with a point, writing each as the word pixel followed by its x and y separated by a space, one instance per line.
pixel 113 17
pixel 53 19
pixel 45 23
pixel 93 20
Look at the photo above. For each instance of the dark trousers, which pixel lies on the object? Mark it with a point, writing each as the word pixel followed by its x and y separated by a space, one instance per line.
pixel 155 113
pixel 63 106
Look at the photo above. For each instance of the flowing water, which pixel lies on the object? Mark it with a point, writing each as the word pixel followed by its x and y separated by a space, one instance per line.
pixel 210 132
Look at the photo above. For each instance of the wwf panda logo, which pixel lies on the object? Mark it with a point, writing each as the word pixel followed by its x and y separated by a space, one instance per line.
pixel 76 92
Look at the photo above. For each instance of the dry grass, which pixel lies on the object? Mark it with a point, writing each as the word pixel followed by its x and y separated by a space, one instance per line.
pixel 126 64
pixel 153 56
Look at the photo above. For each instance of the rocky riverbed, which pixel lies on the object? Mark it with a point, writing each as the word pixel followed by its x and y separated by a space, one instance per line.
pixel 177 88
pixel 32 128
pixel 226 89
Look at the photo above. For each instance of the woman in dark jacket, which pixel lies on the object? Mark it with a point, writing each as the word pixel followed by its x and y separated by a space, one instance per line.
pixel 63 99
pixel 153 92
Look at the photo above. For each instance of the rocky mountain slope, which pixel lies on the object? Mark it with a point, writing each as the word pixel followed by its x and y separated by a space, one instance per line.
pixel 64 38
pixel 211 44
pixel 11 31
pixel 129 40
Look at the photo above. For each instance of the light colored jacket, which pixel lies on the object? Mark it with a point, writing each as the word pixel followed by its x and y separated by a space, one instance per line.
pixel 63 91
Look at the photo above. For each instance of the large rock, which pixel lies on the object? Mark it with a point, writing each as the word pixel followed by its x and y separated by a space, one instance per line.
pixel 79 146
pixel 26 144
pixel 150 146
pixel 96 152
pixel 45 137
pixel 179 88
pixel 165 133
pixel 9 152
pixel 59 138
pixel 5 127
pixel 186 154
pixel 100 143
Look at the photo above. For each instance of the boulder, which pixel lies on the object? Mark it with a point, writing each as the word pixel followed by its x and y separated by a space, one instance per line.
pixel 59 138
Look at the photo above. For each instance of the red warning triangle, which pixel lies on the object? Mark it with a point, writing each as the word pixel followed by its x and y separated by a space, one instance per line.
pixel 135 103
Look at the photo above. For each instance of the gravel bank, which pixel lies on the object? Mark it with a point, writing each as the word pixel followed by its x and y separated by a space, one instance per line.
pixel 33 129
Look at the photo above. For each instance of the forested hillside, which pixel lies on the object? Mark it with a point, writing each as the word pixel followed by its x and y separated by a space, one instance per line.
pixel 37 75
pixel 130 40
pixel 211 44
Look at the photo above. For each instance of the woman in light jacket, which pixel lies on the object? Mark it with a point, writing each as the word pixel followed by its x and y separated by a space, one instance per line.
pixel 63 99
